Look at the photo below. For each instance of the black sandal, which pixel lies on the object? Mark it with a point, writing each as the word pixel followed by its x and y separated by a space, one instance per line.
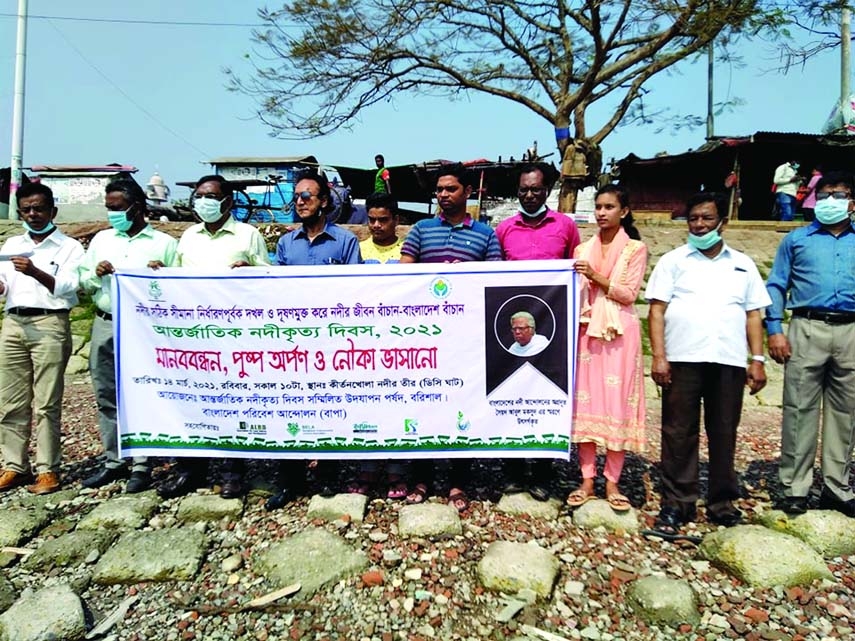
pixel 539 493
pixel 669 522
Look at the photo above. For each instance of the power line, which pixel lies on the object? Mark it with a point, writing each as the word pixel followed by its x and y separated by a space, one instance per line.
pixel 125 94
pixel 176 23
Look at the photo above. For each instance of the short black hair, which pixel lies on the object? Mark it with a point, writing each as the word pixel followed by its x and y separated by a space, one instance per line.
pixel 463 175
pixel 35 189
pixel 550 175
pixel 833 178
pixel 380 156
pixel 382 200
pixel 717 198
pixel 225 186
pixel 320 180
pixel 129 188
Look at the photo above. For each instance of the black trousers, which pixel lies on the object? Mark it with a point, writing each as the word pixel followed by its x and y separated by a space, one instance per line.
pixel 720 388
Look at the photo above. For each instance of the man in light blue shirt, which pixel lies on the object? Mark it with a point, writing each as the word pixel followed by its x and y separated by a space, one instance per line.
pixel 814 277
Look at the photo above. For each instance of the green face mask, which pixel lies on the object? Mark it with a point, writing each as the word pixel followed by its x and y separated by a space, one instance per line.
pixel 702 243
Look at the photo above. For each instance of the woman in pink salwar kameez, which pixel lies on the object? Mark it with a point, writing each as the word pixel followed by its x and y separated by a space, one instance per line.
pixel 609 405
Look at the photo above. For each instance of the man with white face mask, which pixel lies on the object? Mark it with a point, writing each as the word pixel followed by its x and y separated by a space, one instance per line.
pixel 130 242
pixel 814 277
pixel 705 315
pixel 218 241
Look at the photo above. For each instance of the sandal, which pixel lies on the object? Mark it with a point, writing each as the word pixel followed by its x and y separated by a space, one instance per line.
pixel 539 493
pixel 357 487
pixel 458 499
pixel 618 502
pixel 418 495
pixel 579 497
pixel 668 523
pixel 397 488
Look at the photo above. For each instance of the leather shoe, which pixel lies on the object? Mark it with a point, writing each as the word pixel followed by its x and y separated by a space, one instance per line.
pixel 827 501
pixel 231 488
pixel 277 501
pixel 793 504
pixel 9 480
pixel 139 482
pixel 181 483
pixel 46 482
pixel 727 519
pixel 104 476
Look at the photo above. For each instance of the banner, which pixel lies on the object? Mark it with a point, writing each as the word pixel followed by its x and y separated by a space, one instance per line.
pixel 337 361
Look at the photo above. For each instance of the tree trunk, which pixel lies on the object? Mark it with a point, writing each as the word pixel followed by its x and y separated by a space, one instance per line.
pixel 581 163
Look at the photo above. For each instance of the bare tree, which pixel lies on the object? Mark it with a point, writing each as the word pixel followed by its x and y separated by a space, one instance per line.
pixel 320 63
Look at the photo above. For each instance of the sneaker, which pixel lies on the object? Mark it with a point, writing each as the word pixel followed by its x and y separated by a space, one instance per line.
pixel 46 482
pixel 9 480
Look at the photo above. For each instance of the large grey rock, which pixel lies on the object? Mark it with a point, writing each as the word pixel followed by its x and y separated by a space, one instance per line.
pixel 313 558
pixel 659 600
pixel 523 503
pixel 77 364
pixel 19 524
pixel 429 519
pixel 8 594
pixel 69 549
pixel 826 531
pixel 511 567
pixel 171 554
pixel 599 513
pixel 762 557
pixel 48 501
pixel 208 507
pixel 127 512
pixel 334 507
pixel 52 614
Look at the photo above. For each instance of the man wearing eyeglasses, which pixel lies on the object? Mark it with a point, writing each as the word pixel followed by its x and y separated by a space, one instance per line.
pixel 218 242
pixel 38 277
pixel 813 276
pixel 535 232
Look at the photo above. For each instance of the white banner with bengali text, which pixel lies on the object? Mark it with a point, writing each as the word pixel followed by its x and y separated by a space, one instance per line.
pixel 337 361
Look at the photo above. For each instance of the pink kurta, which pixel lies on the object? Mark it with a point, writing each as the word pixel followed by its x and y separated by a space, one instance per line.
pixel 610 408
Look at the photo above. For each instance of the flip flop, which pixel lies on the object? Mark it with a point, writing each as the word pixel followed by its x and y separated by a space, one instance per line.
pixel 579 497
pixel 618 502
pixel 418 494
pixel 458 499
pixel 397 488
pixel 357 487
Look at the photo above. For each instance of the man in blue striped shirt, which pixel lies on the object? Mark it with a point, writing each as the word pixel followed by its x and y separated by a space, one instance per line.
pixel 814 277
pixel 451 237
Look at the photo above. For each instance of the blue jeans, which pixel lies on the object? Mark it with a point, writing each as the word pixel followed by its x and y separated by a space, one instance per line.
pixel 786 206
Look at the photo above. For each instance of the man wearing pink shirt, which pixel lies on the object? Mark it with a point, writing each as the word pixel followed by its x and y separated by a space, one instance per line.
pixel 535 233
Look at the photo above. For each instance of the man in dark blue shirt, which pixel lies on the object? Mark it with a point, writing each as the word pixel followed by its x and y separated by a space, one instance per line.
pixel 814 277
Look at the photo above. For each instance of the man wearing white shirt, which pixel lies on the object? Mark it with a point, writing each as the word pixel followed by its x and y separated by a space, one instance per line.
pixel 706 301
pixel 786 181
pixel 39 280
pixel 130 242
pixel 527 342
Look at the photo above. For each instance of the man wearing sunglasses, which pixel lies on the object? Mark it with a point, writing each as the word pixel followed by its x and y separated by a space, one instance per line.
pixel 813 276
pixel 38 277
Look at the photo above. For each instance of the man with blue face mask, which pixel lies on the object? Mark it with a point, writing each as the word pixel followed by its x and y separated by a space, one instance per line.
pixel 704 323
pixel 813 276
pixel 38 277
pixel 130 242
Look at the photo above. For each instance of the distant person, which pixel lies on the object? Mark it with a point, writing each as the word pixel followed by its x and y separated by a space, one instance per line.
pixel 218 242
pixel 814 277
pixel 450 237
pixel 706 301
pixel 383 245
pixel 382 182
pixel 609 407
pixel 786 181
pixel 527 342
pixel 39 280
pixel 535 232
pixel 809 203
pixel 130 242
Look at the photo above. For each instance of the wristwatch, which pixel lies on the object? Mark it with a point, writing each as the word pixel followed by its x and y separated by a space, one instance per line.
pixel 759 358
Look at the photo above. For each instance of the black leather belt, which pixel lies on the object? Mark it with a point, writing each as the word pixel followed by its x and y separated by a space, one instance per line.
pixel 34 311
pixel 832 318
pixel 103 315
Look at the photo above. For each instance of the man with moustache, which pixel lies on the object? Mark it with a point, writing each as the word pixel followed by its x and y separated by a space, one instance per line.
pixel 38 277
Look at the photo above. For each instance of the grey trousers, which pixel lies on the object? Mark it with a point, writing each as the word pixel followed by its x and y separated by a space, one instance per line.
pixel 103 371
pixel 819 377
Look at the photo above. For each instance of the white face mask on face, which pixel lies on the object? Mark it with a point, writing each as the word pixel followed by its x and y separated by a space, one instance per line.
pixel 533 214
pixel 208 209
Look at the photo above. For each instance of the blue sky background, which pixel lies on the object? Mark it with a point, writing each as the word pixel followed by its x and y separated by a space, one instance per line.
pixel 154 96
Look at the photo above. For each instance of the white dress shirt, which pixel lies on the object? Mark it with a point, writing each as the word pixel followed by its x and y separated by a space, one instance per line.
pixel 708 300
pixel 536 345
pixel 58 255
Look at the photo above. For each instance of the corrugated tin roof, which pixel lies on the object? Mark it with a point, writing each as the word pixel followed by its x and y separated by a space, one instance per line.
pixel 84 168
pixel 259 160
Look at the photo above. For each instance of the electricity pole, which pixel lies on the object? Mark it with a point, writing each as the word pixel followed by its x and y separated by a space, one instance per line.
pixel 18 109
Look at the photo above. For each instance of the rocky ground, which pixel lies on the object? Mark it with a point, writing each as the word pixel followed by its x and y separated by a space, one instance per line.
pixel 377 579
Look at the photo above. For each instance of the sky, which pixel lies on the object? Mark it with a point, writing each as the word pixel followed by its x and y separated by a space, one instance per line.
pixel 154 96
